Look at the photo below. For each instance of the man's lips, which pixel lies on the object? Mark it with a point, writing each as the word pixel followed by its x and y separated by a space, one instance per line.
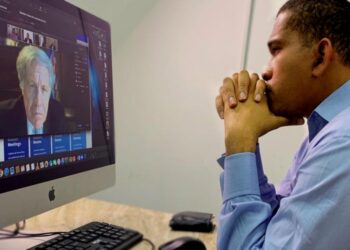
pixel 38 113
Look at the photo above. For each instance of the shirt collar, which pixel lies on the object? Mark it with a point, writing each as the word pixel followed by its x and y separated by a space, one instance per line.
pixel 328 109
pixel 335 103
pixel 33 131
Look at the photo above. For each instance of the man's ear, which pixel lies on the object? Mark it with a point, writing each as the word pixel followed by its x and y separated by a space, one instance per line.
pixel 323 56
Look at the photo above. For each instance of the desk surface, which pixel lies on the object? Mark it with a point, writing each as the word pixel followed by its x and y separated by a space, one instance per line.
pixel 154 225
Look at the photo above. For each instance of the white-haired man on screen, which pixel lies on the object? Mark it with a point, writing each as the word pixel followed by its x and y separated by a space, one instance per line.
pixel 35 111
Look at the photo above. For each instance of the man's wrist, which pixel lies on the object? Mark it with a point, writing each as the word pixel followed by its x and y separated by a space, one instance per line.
pixel 240 145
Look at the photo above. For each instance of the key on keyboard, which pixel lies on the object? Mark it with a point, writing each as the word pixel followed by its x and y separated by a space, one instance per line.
pixel 94 236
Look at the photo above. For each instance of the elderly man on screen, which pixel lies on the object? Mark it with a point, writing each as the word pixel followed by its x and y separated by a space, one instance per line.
pixel 36 79
pixel 35 112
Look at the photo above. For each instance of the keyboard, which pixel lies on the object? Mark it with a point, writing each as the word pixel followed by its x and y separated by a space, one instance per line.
pixel 93 236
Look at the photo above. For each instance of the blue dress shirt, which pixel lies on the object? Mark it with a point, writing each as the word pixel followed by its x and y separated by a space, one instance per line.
pixel 314 212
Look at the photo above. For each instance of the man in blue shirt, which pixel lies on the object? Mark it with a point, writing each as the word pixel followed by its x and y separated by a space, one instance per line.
pixel 308 77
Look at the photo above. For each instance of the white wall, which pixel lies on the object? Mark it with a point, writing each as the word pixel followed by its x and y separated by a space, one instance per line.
pixel 169 58
pixel 167 72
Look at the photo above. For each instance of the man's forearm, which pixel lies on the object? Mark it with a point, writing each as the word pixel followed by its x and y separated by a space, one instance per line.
pixel 242 200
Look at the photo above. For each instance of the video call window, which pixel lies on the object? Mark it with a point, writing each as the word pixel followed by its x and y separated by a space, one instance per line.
pixel 27 37
pixel 37 98
pixel 14 33
pixel 51 43
pixel 39 40
pixel 40 91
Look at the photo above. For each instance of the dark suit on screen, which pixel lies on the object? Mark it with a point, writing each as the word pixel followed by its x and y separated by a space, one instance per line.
pixel 13 119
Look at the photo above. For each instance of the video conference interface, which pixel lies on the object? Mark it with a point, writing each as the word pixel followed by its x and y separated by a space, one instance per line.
pixel 55 94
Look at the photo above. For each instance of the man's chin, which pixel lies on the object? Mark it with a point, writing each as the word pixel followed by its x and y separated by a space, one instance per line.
pixel 38 123
pixel 278 110
pixel 272 106
pixel 284 112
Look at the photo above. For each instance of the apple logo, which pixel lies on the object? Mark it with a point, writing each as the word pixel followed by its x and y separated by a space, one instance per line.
pixel 52 194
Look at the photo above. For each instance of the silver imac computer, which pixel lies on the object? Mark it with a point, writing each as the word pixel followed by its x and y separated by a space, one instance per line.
pixel 56 107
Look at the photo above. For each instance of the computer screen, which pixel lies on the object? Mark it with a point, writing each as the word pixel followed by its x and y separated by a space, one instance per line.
pixel 56 106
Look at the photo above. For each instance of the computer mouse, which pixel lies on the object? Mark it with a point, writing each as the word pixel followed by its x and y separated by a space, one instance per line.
pixel 183 243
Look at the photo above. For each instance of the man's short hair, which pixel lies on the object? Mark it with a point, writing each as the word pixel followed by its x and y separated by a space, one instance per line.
pixel 317 19
pixel 26 56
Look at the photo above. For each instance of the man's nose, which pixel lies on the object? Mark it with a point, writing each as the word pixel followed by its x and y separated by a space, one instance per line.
pixel 38 95
pixel 267 73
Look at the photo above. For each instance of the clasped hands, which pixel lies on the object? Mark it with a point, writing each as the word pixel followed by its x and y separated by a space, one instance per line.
pixel 242 103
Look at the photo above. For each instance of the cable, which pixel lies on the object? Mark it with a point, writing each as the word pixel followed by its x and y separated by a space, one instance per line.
pixel 17 234
pixel 7 234
pixel 28 235
pixel 19 227
pixel 150 242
